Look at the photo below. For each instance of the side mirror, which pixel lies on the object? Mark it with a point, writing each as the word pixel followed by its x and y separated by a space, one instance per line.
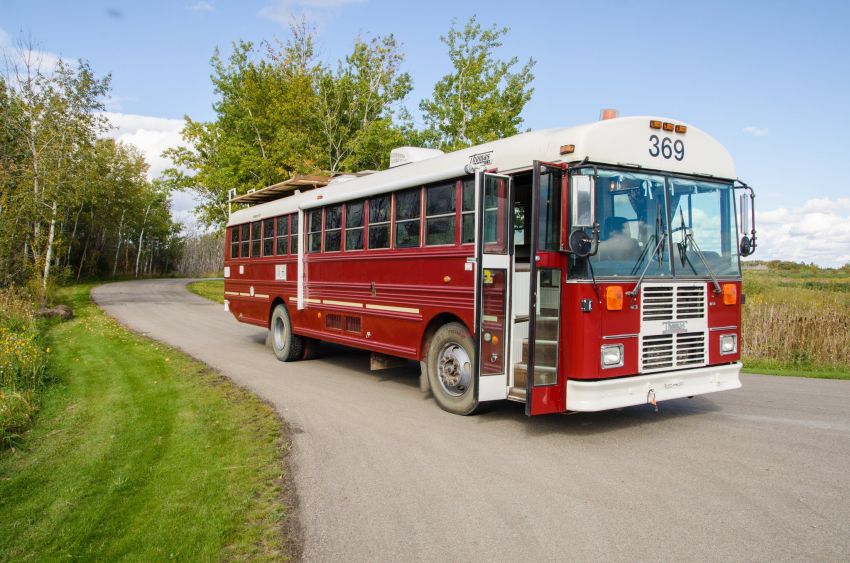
pixel 580 243
pixel 746 246
pixel 581 199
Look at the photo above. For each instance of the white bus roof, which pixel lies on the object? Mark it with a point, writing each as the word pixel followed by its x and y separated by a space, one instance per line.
pixel 624 141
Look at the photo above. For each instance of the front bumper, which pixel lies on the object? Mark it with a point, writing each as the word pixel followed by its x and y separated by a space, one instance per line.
pixel 607 394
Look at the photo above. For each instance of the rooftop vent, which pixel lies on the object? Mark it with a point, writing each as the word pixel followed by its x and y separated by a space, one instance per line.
pixel 406 155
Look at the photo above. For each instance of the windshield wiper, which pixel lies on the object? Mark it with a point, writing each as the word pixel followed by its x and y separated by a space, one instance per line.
pixel 690 237
pixel 636 290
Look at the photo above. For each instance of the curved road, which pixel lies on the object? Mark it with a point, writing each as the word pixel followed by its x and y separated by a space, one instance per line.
pixel 383 474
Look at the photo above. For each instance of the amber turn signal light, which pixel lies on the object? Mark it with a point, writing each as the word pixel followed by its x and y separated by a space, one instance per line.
pixel 614 298
pixel 730 294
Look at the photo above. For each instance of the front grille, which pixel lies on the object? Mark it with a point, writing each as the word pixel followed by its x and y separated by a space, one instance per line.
pixel 690 302
pixel 668 351
pixel 671 302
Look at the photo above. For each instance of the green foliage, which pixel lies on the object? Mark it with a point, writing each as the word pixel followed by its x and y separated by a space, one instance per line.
pixel 23 365
pixel 141 453
pixel 70 201
pixel 208 289
pixel 797 320
pixel 481 99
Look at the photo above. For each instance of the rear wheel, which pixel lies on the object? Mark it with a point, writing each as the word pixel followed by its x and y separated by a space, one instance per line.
pixel 287 346
pixel 451 369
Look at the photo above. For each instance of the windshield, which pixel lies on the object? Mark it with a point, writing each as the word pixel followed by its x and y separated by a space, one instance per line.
pixel 634 235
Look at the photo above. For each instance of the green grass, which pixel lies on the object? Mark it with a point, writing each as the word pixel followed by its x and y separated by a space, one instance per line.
pixel 210 289
pixel 141 453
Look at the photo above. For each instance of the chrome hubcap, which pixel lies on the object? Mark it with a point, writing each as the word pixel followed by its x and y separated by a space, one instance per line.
pixel 454 369
pixel 278 333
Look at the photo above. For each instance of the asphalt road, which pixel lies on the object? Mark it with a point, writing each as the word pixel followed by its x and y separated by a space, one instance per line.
pixel 382 474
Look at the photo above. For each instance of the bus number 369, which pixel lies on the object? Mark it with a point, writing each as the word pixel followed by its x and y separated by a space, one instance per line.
pixel 666 147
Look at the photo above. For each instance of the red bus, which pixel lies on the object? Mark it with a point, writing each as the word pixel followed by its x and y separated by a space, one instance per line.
pixel 573 269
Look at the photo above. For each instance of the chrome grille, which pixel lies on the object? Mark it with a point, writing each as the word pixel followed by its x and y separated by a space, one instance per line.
pixel 658 303
pixel 668 351
pixel 690 302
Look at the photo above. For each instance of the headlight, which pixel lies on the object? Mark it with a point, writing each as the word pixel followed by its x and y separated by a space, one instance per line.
pixel 612 356
pixel 728 344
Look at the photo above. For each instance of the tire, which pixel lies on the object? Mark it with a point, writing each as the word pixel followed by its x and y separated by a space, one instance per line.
pixel 451 369
pixel 310 348
pixel 287 347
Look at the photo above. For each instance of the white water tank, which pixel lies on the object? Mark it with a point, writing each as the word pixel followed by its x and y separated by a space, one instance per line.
pixel 406 155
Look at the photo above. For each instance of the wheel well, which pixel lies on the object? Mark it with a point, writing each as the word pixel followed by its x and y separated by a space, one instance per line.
pixel 277 301
pixel 433 325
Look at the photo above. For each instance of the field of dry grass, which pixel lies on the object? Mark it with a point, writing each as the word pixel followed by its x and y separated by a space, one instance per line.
pixel 797 321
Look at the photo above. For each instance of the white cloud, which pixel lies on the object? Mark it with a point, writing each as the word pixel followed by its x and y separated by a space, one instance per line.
pixel 201 6
pixel 818 231
pixel 756 131
pixel 282 11
pixel 152 135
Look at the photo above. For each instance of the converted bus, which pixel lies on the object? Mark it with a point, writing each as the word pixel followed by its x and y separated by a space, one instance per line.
pixel 572 269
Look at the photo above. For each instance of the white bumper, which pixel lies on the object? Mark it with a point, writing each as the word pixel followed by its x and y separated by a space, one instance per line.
pixel 603 394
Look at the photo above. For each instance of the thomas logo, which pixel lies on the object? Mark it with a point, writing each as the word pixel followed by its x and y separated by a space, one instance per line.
pixel 675 327
pixel 481 159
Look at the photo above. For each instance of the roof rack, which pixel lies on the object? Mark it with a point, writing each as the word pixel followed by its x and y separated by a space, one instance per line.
pixel 298 183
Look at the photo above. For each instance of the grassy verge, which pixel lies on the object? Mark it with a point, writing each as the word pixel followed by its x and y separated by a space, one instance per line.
pixel 209 289
pixel 141 452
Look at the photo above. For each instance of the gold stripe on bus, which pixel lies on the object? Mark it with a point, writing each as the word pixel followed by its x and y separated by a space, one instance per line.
pixel 293 299
pixel 489 318
pixel 245 294
pixel 341 303
pixel 261 296
pixel 315 301
pixel 392 308
pixel 231 293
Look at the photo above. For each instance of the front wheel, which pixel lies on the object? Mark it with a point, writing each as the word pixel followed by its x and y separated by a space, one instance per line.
pixel 451 369
pixel 287 346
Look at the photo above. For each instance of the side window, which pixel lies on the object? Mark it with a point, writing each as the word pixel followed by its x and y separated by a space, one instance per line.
pixel 407 218
pixel 314 231
pixel 255 239
pixel 354 226
pixel 245 240
pixel 293 233
pixel 468 211
pixel 379 222
pixel 440 214
pixel 234 242
pixel 282 232
pixel 333 226
pixel 268 237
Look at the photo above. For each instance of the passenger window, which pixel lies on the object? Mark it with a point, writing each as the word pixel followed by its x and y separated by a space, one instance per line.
pixel 234 242
pixel 293 233
pixel 333 225
pixel 314 232
pixel 282 232
pixel 354 226
pixel 255 239
pixel 379 222
pixel 245 240
pixel 407 218
pixel 468 211
pixel 440 214
pixel 268 237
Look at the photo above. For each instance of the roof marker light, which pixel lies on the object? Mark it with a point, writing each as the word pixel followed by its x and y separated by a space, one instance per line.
pixel 681 129
pixel 654 124
pixel 668 126
pixel 608 113
pixel 567 149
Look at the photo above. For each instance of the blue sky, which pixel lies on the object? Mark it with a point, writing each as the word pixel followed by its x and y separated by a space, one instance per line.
pixel 770 80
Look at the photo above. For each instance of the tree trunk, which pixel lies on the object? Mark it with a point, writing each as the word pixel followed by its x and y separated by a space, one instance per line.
pixel 48 255
pixel 118 246
pixel 142 238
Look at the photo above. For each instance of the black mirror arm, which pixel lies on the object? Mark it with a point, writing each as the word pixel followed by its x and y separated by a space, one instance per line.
pixel 743 186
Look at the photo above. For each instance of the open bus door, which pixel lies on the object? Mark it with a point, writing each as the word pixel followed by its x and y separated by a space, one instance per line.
pixel 545 389
pixel 492 284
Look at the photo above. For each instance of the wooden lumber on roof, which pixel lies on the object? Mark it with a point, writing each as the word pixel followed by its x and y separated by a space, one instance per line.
pixel 300 182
